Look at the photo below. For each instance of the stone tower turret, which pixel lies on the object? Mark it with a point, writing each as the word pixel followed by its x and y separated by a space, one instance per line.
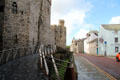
pixel 53 27
pixel 61 23
pixel 60 35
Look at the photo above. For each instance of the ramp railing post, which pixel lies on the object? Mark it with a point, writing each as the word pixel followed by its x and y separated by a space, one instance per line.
pixel 45 63
pixel 40 53
pixel 54 64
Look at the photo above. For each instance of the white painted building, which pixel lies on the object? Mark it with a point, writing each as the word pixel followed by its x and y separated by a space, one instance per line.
pixel 109 39
pixel 91 43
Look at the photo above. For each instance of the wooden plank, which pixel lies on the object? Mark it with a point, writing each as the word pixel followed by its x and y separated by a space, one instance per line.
pixel 1 57
pixel 55 67
pixel 45 51
pixel 8 57
pixel 45 64
pixel 40 53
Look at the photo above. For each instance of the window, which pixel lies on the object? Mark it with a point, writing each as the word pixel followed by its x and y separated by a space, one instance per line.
pixel 60 35
pixel 16 39
pixel 22 12
pixel 33 41
pixel 76 44
pixel 116 49
pixel 55 31
pixel 48 10
pixel 55 38
pixel 116 39
pixel 14 7
pixel 1 8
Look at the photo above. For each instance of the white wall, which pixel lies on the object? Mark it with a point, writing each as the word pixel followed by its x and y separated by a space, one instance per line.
pixel 93 47
pixel 90 48
pixel 86 46
pixel 108 36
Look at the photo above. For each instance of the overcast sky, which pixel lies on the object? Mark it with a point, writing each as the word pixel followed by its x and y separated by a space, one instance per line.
pixel 82 16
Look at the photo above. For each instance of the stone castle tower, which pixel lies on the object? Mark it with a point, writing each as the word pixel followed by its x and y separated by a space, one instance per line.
pixel 24 23
pixel 60 35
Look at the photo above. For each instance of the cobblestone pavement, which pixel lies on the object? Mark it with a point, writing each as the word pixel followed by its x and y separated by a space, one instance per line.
pixel 87 71
pixel 25 68
pixel 109 65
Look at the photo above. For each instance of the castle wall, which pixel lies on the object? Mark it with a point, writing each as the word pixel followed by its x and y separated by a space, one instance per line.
pixel 33 26
pixel 26 23
pixel 45 19
pixel 60 35
pixel 51 39
pixel 16 24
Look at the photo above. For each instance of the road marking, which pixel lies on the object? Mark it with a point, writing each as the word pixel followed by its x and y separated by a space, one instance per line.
pixel 99 69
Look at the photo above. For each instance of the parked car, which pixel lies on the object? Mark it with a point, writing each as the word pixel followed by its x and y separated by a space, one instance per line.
pixel 118 57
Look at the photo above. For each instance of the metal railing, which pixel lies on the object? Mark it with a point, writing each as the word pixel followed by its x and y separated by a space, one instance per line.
pixel 46 59
pixel 48 51
pixel 54 68
pixel 61 66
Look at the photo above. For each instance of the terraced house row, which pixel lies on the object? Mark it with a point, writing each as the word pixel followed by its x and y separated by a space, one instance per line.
pixel 105 42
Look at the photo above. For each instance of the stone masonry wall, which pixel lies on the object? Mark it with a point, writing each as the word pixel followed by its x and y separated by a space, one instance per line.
pixel 16 24
pixel 51 37
pixel 33 26
pixel 26 23
pixel 60 35
pixel 61 29
pixel 45 19
pixel 77 46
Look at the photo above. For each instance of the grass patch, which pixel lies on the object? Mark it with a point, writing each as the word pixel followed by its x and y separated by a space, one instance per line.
pixel 62 69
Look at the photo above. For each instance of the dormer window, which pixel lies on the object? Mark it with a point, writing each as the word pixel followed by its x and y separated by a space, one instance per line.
pixel 16 39
pixel 14 7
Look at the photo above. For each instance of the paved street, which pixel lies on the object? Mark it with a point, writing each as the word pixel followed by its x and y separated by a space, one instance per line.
pixel 87 71
pixel 25 68
pixel 109 65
